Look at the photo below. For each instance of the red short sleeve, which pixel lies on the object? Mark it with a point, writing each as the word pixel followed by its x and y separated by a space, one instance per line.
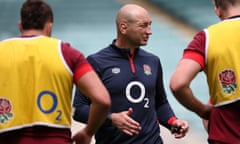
pixel 196 50
pixel 76 61
pixel 195 56
pixel 80 71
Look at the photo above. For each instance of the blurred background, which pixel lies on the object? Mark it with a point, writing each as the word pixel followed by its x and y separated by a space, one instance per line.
pixel 89 25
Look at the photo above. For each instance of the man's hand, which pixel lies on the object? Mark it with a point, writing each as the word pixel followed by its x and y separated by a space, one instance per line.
pixel 82 137
pixel 179 128
pixel 125 123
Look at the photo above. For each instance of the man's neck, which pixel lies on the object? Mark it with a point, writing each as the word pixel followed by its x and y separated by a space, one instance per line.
pixel 121 44
pixel 231 12
pixel 33 33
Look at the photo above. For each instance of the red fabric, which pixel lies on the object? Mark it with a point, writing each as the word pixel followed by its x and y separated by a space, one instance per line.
pixel 171 120
pixel 131 63
pixel 196 50
pixel 224 124
pixel 76 61
pixel 81 71
pixel 198 43
pixel 37 135
pixel 195 56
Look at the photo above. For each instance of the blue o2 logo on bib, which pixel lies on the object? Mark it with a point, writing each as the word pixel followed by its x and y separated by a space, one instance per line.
pixel 53 107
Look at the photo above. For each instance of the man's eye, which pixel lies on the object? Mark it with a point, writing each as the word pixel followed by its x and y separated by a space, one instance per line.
pixel 143 25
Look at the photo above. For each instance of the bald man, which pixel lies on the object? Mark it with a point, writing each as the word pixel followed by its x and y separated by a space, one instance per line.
pixel 134 80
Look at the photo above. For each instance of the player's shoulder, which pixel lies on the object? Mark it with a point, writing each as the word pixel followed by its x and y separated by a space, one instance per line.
pixel 146 53
pixel 102 53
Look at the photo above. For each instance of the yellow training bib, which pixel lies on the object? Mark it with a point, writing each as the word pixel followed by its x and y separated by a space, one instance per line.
pixel 35 85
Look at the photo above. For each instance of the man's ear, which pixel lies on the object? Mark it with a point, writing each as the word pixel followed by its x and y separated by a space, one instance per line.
pixel 48 28
pixel 218 12
pixel 123 27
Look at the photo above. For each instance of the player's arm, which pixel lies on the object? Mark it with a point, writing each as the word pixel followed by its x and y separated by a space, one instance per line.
pixel 190 65
pixel 164 111
pixel 90 85
pixel 180 86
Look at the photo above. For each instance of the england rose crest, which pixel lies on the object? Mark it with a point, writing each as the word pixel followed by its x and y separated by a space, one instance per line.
pixel 227 79
pixel 147 69
pixel 5 110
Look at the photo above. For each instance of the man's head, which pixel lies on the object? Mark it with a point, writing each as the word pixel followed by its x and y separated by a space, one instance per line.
pixel 224 4
pixel 133 25
pixel 226 8
pixel 36 15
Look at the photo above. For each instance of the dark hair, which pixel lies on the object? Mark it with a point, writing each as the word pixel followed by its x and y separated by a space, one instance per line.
pixel 224 4
pixel 35 14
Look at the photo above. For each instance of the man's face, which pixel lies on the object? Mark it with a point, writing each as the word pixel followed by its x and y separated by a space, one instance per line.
pixel 138 31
